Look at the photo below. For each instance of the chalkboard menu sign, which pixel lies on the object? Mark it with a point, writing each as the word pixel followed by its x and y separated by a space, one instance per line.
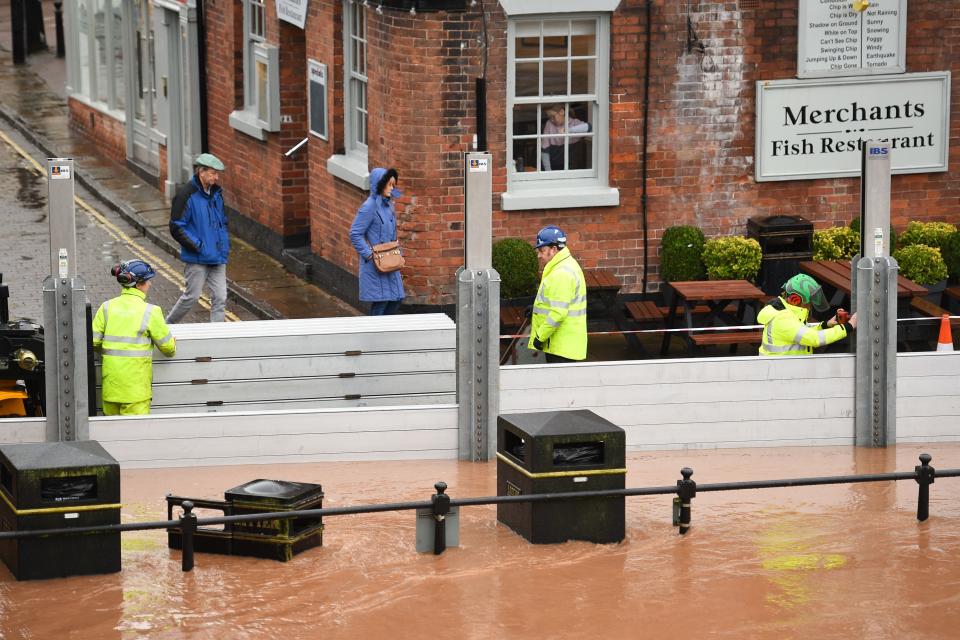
pixel 317 98
pixel 836 40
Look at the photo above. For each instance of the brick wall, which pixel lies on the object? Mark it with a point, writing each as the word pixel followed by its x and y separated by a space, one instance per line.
pixel 421 119
pixel 106 132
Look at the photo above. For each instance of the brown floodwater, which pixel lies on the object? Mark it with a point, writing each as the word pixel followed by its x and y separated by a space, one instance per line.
pixel 847 561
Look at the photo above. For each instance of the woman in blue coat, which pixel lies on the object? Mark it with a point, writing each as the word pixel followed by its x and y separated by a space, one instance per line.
pixel 376 222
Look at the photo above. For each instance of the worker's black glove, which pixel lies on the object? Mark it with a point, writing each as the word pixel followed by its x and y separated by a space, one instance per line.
pixel 537 344
pixel 528 312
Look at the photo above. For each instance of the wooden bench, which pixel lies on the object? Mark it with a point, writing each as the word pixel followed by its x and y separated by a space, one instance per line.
pixel 953 292
pixel 511 318
pixel 726 338
pixel 647 311
pixel 926 307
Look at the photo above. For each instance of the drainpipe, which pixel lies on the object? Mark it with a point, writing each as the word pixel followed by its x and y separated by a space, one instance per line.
pixel 646 122
pixel 202 65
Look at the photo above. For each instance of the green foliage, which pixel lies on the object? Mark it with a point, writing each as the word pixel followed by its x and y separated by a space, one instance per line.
pixel 680 251
pixel 922 264
pixel 516 262
pixel 932 234
pixel 835 243
pixel 893 242
pixel 951 255
pixel 732 258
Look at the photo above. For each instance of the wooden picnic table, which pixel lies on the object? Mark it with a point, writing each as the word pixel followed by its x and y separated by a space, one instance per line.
pixel 836 274
pixel 716 294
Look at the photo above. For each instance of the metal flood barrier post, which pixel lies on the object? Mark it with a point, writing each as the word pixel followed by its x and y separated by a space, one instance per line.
pixel 478 317
pixel 441 505
pixel 64 311
pixel 874 281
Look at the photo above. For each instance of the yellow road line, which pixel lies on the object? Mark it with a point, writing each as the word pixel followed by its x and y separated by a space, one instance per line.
pixel 158 264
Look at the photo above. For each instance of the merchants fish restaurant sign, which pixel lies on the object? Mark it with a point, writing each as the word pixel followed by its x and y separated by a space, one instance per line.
pixel 810 129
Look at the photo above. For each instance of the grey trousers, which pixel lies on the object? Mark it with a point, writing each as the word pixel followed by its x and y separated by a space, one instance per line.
pixel 215 275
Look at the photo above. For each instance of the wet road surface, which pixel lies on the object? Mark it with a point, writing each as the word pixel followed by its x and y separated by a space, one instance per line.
pixel 847 561
pixel 103 239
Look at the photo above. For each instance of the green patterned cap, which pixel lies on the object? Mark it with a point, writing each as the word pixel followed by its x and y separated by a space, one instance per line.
pixel 808 290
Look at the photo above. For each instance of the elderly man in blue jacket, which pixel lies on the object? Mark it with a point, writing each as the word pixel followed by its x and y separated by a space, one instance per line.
pixel 198 223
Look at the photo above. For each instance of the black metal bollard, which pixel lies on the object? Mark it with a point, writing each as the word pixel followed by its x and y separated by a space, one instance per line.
pixel 441 507
pixel 188 525
pixel 58 20
pixel 686 490
pixel 925 477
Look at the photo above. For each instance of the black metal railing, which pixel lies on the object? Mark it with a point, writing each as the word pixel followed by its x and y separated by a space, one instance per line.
pixel 440 503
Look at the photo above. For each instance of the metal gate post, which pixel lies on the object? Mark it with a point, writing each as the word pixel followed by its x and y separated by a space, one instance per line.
pixel 478 317
pixel 64 314
pixel 875 296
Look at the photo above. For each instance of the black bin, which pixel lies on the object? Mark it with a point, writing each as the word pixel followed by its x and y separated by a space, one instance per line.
pixel 53 486
pixel 561 451
pixel 785 241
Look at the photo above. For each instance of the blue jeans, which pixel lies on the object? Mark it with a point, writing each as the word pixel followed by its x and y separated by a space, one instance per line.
pixel 384 307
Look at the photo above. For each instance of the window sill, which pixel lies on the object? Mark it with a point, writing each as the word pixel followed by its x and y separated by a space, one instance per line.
pixel 246 122
pixel 553 198
pixel 529 7
pixel 350 169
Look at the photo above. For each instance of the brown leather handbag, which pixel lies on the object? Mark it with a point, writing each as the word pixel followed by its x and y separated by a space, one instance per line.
pixel 387 257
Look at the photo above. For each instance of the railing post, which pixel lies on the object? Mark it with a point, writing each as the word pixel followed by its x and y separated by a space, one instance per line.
pixel 441 507
pixel 925 477
pixel 188 525
pixel 686 490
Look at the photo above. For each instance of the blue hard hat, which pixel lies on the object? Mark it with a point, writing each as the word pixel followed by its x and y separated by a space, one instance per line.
pixel 551 235
pixel 131 272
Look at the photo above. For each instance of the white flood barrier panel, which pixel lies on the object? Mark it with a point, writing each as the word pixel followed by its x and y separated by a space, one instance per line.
pixel 308 364
pixel 738 402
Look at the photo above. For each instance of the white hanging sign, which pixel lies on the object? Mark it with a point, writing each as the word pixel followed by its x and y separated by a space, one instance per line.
pixel 292 11
pixel 833 39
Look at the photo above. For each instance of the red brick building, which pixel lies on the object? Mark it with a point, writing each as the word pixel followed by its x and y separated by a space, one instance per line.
pixel 400 89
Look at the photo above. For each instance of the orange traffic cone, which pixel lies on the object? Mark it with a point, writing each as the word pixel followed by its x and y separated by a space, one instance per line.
pixel 945 341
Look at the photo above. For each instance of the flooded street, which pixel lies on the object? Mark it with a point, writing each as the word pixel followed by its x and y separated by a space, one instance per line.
pixel 846 561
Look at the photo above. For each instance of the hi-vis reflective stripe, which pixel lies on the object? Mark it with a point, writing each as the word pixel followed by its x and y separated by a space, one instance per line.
pixel 125 339
pixel 146 319
pixel 97 336
pixel 138 353
pixel 71 509
pixel 165 340
pixel 561 474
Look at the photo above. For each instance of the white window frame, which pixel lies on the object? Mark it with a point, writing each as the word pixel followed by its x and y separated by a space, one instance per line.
pixel 114 105
pixel 562 189
pixel 261 111
pixel 352 165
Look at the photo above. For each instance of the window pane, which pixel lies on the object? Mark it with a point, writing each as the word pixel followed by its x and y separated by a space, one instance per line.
pixel 580 152
pixel 580 117
pixel 362 58
pixel 582 76
pixel 525 155
pixel 100 50
pixel 261 67
pixel 120 86
pixel 555 47
pixel 528 79
pixel 83 30
pixel 525 121
pixel 584 41
pixel 555 78
pixel 257 20
pixel 528 47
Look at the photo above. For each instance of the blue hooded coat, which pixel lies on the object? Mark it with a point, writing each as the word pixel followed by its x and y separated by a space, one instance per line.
pixel 198 223
pixel 374 223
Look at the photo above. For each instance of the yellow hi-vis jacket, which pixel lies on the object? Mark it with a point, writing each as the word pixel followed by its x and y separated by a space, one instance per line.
pixel 785 331
pixel 560 311
pixel 125 330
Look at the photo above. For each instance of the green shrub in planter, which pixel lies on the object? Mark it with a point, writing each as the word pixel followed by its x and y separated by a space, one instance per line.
pixel 892 236
pixel 732 258
pixel 516 262
pixel 922 264
pixel 835 243
pixel 932 234
pixel 951 255
pixel 680 251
